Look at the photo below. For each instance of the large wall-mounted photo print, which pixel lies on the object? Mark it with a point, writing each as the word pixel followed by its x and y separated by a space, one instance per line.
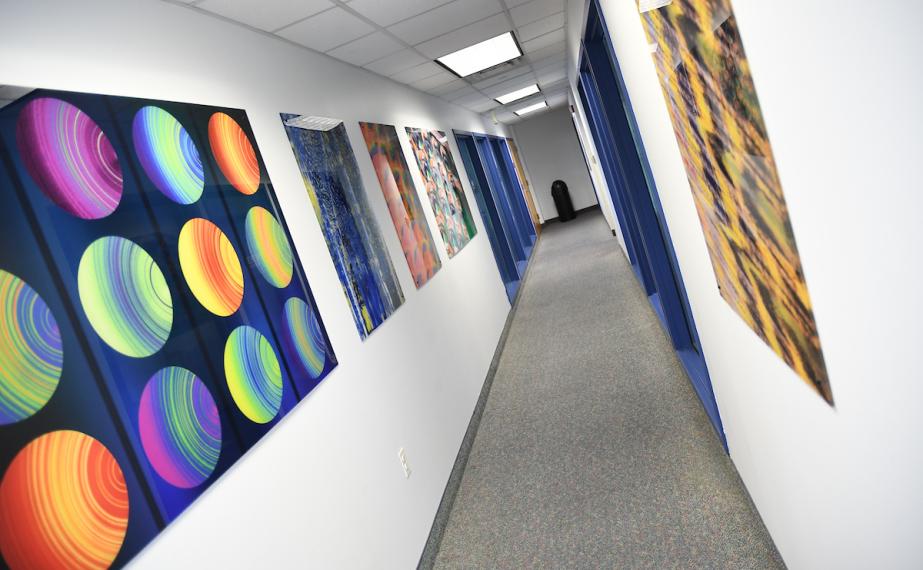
pixel 718 123
pixel 403 202
pixel 155 321
pixel 443 187
pixel 331 177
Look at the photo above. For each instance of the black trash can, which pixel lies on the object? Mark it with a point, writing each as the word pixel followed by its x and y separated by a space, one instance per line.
pixel 562 201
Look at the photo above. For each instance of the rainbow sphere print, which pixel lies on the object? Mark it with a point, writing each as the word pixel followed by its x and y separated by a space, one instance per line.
pixel 179 426
pixel 125 296
pixel 235 155
pixel 211 267
pixel 168 155
pixel 31 351
pixel 253 374
pixel 269 247
pixel 303 337
pixel 69 157
pixel 63 504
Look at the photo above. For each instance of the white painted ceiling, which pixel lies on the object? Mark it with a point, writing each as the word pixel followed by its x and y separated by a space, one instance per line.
pixel 399 39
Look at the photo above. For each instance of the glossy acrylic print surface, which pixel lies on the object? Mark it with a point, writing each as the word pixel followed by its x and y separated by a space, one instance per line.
pixel 154 324
pixel 403 202
pixel 331 177
pixel 718 123
pixel 443 188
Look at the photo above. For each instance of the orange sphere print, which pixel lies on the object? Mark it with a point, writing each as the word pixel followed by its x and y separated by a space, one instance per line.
pixel 63 504
pixel 211 267
pixel 234 153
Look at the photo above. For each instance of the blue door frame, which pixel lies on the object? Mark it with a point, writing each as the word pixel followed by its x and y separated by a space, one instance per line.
pixel 638 209
pixel 514 189
pixel 502 232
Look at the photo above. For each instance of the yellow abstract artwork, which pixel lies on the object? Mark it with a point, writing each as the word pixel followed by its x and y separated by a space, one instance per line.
pixel 718 123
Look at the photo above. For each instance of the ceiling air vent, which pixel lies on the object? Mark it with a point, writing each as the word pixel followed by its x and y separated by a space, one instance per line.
pixel 495 70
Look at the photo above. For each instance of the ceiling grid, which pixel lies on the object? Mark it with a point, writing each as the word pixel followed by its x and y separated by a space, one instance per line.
pixel 400 39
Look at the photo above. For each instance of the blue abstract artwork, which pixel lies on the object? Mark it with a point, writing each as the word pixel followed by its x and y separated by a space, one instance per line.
pixel 155 319
pixel 331 176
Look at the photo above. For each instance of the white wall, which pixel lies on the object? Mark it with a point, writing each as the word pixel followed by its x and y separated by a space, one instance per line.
pixel 325 489
pixel 839 89
pixel 551 151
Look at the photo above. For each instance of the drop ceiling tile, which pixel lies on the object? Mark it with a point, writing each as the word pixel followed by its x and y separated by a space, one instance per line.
pixel 327 30
pixel 535 10
pixel 466 36
pixel 483 106
pixel 511 85
pixel 459 93
pixel 556 60
pixel 266 15
pixel 417 72
pixel 449 87
pixel 521 70
pixel 557 49
pixel 367 49
pixel 541 27
pixel 552 76
pixel 505 116
pixel 387 12
pixel 557 99
pixel 399 61
pixel 471 99
pixel 446 18
pixel 434 81
pixel 546 40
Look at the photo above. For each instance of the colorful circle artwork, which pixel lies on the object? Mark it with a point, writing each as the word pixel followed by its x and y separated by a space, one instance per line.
pixel 168 155
pixel 303 336
pixel 63 504
pixel 253 374
pixel 211 267
pixel 69 158
pixel 234 153
pixel 125 296
pixel 31 352
pixel 180 428
pixel 269 247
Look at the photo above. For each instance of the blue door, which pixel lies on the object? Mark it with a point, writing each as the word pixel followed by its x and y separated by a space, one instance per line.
pixel 501 243
pixel 605 99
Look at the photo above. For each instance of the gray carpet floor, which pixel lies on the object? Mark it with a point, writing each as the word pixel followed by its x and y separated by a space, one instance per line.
pixel 593 450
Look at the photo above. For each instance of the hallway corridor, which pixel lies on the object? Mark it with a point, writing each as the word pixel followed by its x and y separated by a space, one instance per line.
pixel 593 450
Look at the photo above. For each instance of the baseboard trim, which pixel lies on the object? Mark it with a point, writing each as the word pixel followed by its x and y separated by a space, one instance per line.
pixel 440 522
pixel 555 219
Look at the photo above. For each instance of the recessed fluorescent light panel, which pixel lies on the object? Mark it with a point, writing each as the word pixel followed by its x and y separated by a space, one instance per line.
pixel 531 108
pixel 482 55
pixel 517 95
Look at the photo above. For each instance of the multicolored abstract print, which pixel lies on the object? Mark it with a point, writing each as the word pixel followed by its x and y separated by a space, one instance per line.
pixel 718 123
pixel 155 320
pixel 63 504
pixel 331 176
pixel 179 426
pixel 444 188
pixel 31 351
pixel 403 201
pixel 70 158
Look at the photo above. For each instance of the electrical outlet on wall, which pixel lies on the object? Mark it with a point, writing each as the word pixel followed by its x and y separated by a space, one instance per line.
pixel 402 455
